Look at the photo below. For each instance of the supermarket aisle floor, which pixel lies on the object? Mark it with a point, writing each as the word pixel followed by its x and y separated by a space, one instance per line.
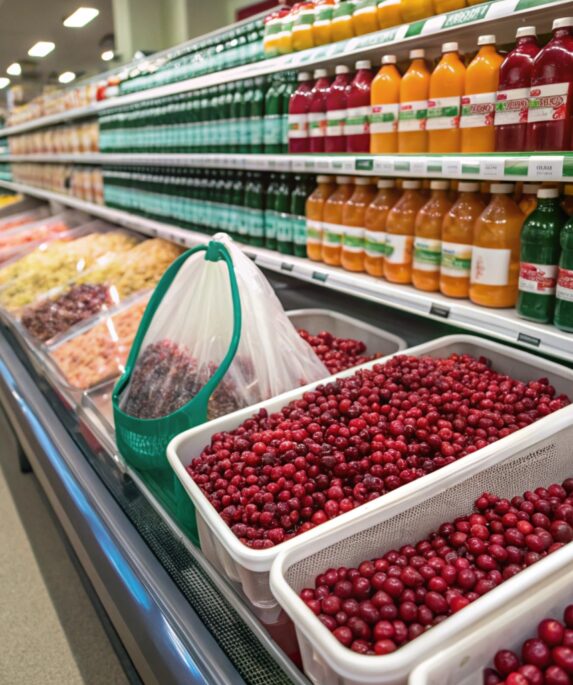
pixel 49 631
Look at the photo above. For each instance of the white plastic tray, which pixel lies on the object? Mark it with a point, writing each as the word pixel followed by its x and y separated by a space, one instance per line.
pixel 251 567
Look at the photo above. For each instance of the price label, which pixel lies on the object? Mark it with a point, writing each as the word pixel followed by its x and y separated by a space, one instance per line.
pixel 384 166
pixel 451 167
pixel 297 164
pixel 440 310
pixel 418 166
pixel 529 339
pixel 545 168
pixel 322 165
pixel 285 266
pixel 492 168
pixel 319 276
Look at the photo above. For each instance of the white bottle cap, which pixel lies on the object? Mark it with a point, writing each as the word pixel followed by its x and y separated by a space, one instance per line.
pixel 501 188
pixel 303 76
pixel 324 179
pixel 468 187
pixel 487 40
pixel 389 59
pixel 439 185
pixel 411 185
pixel 385 183
pixel 562 23
pixel 343 180
pixel 419 53
pixel 363 64
pixel 545 193
pixel 320 73
pixel 341 69
pixel 450 47
pixel 525 31
pixel 363 181
pixel 531 188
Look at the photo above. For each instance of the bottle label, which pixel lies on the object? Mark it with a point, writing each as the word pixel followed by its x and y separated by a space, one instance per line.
pixel 456 260
pixel 313 231
pixel 317 124
pixel 490 266
pixel 511 106
pixel 297 125
pixel 357 121
pixel 443 113
pixel 413 116
pixel 564 289
pixel 548 103
pixel 353 238
pixel 272 134
pixel 270 223
pixel 256 223
pixel 384 118
pixel 427 254
pixel 284 129
pixel 256 130
pixel 399 248
pixel 285 228
pixel 335 122
pixel 537 278
pixel 299 230
pixel 477 110
pixel 331 234
pixel 375 243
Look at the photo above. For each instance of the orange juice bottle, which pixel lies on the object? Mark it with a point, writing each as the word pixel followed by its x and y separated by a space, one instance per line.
pixel 388 12
pixel 567 202
pixel 400 233
pixel 284 37
pixel 495 256
pixel 375 224
pixel 457 240
pixel 478 102
pixel 428 238
pixel 384 100
pixel 341 27
pixel 314 210
pixel 302 35
pixel 446 89
pixel 365 17
pixel 321 31
pixel 353 230
pixel 412 10
pixel 412 117
pixel 528 200
pixel 442 6
pixel 332 221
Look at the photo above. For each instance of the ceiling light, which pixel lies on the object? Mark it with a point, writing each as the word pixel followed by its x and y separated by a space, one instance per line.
pixel 66 77
pixel 81 17
pixel 41 48
pixel 107 55
pixel 4 82
pixel 14 69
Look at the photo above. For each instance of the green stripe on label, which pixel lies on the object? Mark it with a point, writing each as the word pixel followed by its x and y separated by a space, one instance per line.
pixel 528 4
pixel 364 164
pixel 415 29
pixel 435 167
pixel 465 16
pixel 567 166
pixel 514 168
pixel 401 166
pixel 470 169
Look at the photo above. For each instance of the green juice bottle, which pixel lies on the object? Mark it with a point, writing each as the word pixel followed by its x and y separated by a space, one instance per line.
pixel 284 205
pixel 564 291
pixel 245 120
pixel 256 114
pixel 271 215
pixel 236 113
pixel 289 86
pixel 272 128
pixel 255 206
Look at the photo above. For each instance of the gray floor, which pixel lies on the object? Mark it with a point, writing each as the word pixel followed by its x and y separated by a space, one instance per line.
pixel 49 630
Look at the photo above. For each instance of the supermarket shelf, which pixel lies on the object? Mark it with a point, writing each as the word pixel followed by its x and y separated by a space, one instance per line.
pixel 501 17
pixel 501 324
pixel 489 167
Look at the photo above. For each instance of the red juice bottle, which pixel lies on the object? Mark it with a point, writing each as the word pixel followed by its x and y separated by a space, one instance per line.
pixel 298 108
pixel 549 116
pixel 358 109
pixel 317 113
pixel 336 103
pixel 512 97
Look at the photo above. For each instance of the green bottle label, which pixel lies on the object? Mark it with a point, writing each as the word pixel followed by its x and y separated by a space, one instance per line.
pixel 272 129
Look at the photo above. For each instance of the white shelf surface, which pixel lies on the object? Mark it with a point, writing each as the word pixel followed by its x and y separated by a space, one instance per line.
pixel 501 324
pixel 501 17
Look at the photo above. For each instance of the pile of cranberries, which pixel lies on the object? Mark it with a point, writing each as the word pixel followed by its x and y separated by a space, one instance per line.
pixel 354 439
pixel 337 354
pixel 545 660
pixel 391 600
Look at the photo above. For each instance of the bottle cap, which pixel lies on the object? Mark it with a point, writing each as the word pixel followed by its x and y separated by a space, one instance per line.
pixel 320 73
pixel 419 53
pixel 411 185
pixel 363 181
pixel 501 188
pixel 389 59
pixel 546 193
pixel 450 47
pixel 562 23
pixel 487 40
pixel 363 64
pixel 531 188
pixel 387 183
pixel 303 76
pixel 439 185
pixel 343 180
pixel 341 69
pixel 525 31
pixel 323 179
pixel 468 187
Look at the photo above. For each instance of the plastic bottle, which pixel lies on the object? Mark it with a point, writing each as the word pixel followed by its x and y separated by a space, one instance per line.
pixel 528 200
pixel 442 6
pixel 341 27
pixel 385 105
pixel 457 240
pixel 375 224
pixel 255 210
pixel 495 255
pixel 298 218
pixel 365 17
pixel 564 291
pixel 540 257
pixel 256 116
pixel 447 85
pixel 273 26
pixel 272 124
pixel 413 10
pixel 354 230
pixel 428 238
pixel 321 29
pixel 302 36
pixel 284 37
pixel 412 118
pixel 336 105
pixel 283 199
pixel 400 233
pixel 317 111
pixel 567 201
pixel 388 12
pixel 332 221
pixel 550 105
pixel 478 102
pixel 512 97
pixel 314 211
pixel 357 126
pixel 299 105
pixel 289 86
pixel 271 214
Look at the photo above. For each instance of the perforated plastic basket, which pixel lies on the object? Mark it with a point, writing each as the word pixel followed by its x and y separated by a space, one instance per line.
pixel 251 567
pixel 464 661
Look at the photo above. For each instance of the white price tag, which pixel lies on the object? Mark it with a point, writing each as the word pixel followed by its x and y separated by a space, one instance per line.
pixel 297 164
pixel 545 168
pixel 418 166
pixel 492 168
pixel 384 166
pixel 322 165
pixel 451 167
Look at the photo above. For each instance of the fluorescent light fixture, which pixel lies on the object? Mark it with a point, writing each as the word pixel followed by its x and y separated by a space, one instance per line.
pixel 14 69
pixel 66 77
pixel 81 17
pixel 107 55
pixel 4 82
pixel 41 48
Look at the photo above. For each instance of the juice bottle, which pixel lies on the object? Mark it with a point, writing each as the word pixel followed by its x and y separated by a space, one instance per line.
pixel 314 215
pixel 567 201
pixel 550 109
pixel 564 291
pixel 400 224
pixel 332 221
pixel 341 27
pixel 285 224
pixel 412 118
pixel 512 97
pixel 457 240
pixel 255 206
pixel 357 126
pixel 446 88
pixel 375 224
pixel 317 111
pixel 428 238
pixel 284 37
pixel 302 36
pixel 478 102
pixel 365 17
pixel 321 29
pixel 354 231
pixel 388 12
pixel 413 10
pixel 298 218
pixel 336 104
pixel 289 86
pixel 528 200
pixel 256 116
pixel 442 6
pixel 272 123
pixel 299 105
pixel 495 255
pixel 385 99
pixel 540 257
pixel 273 26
